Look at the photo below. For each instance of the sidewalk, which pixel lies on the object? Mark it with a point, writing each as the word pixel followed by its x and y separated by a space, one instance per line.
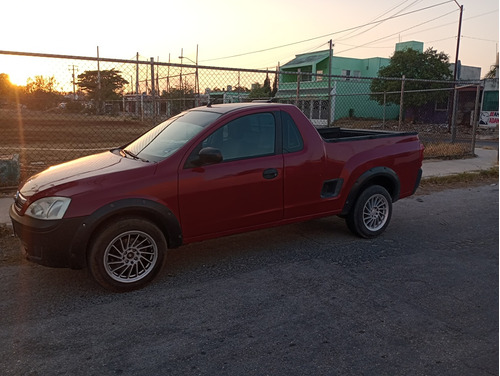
pixel 486 158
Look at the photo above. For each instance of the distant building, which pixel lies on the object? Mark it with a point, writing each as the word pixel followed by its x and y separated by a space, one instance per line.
pixel 488 116
pixel 307 86
pixel 310 92
pixel 229 95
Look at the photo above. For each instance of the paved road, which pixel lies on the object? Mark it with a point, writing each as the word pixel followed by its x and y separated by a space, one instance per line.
pixel 305 299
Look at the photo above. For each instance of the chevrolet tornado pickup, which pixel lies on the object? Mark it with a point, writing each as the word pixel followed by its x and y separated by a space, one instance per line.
pixel 209 172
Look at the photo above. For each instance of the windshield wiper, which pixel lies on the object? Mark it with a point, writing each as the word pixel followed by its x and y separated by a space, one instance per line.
pixel 125 152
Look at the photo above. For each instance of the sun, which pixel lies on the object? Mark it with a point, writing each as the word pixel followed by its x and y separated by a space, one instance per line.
pixel 18 78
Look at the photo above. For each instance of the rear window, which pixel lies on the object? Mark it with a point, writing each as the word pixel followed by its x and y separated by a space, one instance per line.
pixel 292 139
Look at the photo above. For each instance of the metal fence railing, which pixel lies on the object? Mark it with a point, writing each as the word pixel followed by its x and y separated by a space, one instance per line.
pixel 75 106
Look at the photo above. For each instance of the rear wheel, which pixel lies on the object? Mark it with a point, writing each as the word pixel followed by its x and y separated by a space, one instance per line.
pixel 371 213
pixel 127 254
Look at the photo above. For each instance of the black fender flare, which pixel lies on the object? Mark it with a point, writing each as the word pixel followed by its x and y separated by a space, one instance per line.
pixel 159 214
pixel 381 175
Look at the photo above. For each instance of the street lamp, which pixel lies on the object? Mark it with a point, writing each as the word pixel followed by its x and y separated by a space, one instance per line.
pixel 185 57
pixel 196 82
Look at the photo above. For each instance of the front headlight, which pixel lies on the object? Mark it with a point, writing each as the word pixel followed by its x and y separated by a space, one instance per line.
pixel 48 208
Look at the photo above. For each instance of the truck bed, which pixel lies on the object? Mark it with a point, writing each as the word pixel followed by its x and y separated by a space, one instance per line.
pixel 337 134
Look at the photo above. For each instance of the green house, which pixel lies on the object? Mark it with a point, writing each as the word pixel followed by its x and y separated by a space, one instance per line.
pixel 306 81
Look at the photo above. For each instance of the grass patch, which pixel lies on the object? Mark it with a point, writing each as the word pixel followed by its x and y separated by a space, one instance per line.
pixel 465 177
pixel 447 151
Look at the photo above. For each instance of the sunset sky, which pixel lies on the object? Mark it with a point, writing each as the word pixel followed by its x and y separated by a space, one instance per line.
pixel 247 34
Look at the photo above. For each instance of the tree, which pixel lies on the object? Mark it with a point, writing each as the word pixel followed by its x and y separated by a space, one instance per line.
pixel 41 84
pixel 492 73
pixel 429 65
pixel 103 85
pixel 40 93
pixel 275 85
pixel 7 88
pixel 267 85
pixel 261 91
pixel 179 99
pixel 241 89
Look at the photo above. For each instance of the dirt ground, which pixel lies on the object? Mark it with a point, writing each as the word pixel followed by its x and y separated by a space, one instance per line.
pixel 10 249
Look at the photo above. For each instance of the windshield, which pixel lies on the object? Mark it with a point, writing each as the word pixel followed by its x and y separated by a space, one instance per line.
pixel 169 136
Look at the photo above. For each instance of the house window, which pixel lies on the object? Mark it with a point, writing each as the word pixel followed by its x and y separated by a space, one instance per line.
pixel 490 101
pixel 347 73
pixel 319 78
pixel 442 105
pixel 305 74
pixel 305 77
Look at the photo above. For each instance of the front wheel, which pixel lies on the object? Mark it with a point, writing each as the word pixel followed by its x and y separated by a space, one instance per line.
pixel 371 213
pixel 127 254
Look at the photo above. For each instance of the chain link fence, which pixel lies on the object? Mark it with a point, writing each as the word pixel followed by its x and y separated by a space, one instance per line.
pixel 78 106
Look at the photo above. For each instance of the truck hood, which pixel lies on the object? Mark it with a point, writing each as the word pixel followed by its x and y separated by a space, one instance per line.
pixel 77 170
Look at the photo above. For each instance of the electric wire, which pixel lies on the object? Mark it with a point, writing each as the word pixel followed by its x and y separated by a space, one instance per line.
pixel 399 32
pixel 327 35
pixel 380 22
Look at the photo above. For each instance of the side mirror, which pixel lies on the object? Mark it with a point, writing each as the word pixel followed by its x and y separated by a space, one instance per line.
pixel 208 156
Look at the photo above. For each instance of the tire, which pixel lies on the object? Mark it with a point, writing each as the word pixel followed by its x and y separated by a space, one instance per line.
pixel 371 213
pixel 127 254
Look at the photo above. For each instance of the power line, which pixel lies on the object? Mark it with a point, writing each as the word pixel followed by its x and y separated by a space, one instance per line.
pixel 327 35
pixel 290 57
pixel 431 28
pixel 391 35
pixel 376 18
pixel 381 22
pixel 481 39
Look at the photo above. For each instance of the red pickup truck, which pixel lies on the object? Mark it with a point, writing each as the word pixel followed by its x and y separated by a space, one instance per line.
pixel 209 172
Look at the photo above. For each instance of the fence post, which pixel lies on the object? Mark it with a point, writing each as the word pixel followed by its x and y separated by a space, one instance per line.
pixel 142 107
pixel 137 101
pixel 475 119
pixel 197 82
pixel 330 83
pixel 153 91
pixel 333 102
pixel 401 102
pixel 385 104
pixel 298 88
pixel 454 115
pixel 99 95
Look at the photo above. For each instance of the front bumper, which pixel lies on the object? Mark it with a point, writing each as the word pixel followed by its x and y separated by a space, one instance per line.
pixel 50 243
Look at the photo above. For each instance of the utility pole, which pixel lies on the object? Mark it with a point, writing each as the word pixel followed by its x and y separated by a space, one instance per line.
pixel 455 76
pixel 73 79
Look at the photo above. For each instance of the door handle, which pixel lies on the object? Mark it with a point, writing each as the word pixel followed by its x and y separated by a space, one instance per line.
pixel 270 173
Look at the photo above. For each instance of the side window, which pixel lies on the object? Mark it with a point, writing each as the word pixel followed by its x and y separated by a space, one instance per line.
pixel 246 137
pixel 292 140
